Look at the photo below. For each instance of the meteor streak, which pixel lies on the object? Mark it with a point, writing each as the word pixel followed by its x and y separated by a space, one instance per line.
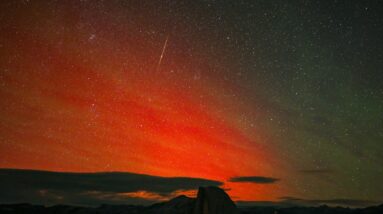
pixel 162 53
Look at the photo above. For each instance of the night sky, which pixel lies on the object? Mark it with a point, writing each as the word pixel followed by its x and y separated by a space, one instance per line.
pixel 271 100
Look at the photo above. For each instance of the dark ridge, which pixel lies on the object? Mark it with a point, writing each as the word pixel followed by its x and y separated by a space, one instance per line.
pixel 210 200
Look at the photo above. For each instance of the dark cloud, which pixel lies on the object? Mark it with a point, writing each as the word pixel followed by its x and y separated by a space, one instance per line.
pixel 344 202
pixel 293 202
pixel 289 198
pixel 45 187
pixel 254 179
pixel 330 202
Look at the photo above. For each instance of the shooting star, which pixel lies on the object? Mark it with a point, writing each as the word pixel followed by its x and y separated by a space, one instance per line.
pixel 162 53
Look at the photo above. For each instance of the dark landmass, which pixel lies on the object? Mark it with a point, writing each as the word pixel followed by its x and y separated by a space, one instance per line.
pixel 312 210
pixel 176 209
pixel 210 200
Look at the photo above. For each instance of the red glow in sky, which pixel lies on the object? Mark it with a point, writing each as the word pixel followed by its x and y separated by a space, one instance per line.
pixel 80 94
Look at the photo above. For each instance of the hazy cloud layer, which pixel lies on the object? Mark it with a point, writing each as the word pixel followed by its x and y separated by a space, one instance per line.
pixel 292 202
pixel 331 202
pixel 44 187
pixel 254 179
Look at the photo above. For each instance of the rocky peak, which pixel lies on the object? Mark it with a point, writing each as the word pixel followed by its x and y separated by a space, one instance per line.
pixel 213 200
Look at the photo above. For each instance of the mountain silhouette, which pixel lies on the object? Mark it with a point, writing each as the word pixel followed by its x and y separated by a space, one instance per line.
pixel 210 200
pixel 213 200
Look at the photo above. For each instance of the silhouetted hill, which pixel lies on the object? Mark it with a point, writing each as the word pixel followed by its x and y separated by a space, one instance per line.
pixel 178 205
pixel 210 200
pixel 164 208
pixel 312 210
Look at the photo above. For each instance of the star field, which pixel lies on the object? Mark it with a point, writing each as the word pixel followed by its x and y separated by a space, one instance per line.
pixel 273 99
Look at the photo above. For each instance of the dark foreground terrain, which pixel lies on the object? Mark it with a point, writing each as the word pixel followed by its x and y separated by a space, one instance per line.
pixel 210 200
pixel 156 209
